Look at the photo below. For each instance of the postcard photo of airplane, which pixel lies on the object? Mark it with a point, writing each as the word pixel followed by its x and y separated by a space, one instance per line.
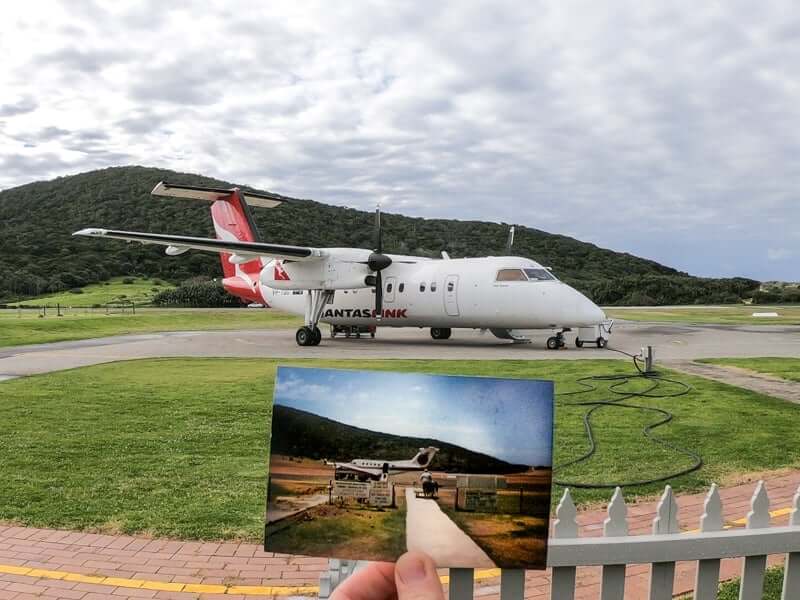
pixel 369 464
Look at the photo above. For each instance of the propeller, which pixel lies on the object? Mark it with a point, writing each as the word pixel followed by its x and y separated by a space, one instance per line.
pixel 377 262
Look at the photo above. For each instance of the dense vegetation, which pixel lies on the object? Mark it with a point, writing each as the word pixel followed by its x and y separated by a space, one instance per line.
pixel 303 434
pixel 37 254
pixel 196 293
pixel 779 292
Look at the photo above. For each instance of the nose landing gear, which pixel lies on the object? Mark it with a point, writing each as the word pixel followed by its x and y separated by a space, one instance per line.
pixel 441 333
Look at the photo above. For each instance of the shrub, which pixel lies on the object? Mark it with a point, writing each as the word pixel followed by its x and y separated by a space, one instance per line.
pixel 196 294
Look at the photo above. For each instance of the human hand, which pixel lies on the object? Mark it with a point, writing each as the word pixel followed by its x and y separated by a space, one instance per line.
pixel 413 577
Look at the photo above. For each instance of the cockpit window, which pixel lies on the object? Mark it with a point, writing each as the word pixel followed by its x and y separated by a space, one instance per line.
pixel 539 275
pixel 511 275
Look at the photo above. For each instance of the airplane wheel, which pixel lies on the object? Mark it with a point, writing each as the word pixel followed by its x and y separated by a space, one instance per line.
pixel 317 337
pixel 305 336
pixel 601 342
pixel 440 333
pixel 552 343
pixel 578 343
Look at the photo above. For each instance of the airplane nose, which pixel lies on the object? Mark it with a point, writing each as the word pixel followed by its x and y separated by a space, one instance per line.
pixel 590 313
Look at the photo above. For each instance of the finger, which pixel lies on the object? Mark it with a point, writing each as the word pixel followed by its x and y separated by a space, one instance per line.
pixel 373 582
pixel 416 578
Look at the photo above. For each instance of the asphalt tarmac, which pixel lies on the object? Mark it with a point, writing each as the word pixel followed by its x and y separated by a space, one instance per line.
pixel 671 342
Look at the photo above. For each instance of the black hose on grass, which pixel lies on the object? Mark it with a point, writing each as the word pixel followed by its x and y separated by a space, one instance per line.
pixel 622 395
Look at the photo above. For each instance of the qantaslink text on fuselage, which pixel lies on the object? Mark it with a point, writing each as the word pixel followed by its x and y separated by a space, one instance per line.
pixel 364 313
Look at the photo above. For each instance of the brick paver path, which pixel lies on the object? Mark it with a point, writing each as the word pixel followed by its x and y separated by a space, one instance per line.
pixel 50 564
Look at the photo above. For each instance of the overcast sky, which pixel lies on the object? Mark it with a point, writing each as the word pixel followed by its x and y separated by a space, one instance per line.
pixel 510 419
pixel 670 130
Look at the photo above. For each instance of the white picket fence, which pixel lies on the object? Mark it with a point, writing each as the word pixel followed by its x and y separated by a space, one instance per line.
pixel 661 549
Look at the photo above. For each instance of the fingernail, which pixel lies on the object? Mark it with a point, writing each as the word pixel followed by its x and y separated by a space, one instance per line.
pixel 411 569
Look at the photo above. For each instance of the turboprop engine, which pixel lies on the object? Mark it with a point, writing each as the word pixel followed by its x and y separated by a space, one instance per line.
pixel 329 273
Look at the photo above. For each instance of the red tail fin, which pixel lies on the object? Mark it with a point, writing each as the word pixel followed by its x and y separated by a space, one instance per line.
pixel 233 221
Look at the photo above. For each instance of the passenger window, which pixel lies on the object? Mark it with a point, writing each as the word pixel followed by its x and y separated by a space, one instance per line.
pixel 433 286
pixel 421 287
pixel 388 288
pixel 450 287
pixel 511 275
pixel 401 287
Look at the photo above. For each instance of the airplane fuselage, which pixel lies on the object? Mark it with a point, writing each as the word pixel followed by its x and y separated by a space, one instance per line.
pixel 467 292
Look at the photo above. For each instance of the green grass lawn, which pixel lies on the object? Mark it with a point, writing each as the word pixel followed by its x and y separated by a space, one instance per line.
pixel 178 447
pixel 140 290
pixel 27 327
pixel 786 368
pixel 734 314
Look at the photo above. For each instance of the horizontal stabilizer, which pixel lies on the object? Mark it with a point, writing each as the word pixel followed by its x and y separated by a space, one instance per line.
pixel 178 244
pixel 210 194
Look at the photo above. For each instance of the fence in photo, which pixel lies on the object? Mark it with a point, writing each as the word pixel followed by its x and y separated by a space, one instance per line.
pixel 707 545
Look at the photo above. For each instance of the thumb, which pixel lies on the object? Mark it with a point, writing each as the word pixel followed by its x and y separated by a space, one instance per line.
pixel 416 578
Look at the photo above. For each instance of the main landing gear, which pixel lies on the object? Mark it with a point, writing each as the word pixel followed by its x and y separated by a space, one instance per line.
pixel 556 341
pixel 309 334
pixel 441 333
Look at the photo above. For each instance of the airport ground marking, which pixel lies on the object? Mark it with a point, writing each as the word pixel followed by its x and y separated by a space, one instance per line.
pixel 246 590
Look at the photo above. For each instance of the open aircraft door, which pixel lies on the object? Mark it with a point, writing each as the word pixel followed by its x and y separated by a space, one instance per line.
pixel 451 295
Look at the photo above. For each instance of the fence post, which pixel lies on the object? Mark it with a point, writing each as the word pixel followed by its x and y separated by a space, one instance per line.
pixel 462 582
pixel 752 584
pixel 662 574
pixel 615 525
pixel 512 584
pixel 562 586
pixel 707 579
pixel 791 575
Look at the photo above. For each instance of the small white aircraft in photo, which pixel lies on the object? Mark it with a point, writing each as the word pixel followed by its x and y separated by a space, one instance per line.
pixel 367 468
pixel 356 287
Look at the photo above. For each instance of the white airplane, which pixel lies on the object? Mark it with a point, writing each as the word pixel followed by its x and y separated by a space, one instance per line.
pixel 358 287
pixel 366 468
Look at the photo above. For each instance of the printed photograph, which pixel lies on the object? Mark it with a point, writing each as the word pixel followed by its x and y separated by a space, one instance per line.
pixel 368 464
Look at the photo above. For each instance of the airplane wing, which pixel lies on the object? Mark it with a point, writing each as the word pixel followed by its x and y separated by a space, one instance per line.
pixel 360 470
pixel 181 243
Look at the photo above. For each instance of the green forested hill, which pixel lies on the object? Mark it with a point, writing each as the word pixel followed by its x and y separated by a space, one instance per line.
pixel 38 255
pixel 300 433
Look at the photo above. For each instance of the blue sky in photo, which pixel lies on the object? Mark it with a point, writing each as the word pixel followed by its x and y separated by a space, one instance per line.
pixel 510 419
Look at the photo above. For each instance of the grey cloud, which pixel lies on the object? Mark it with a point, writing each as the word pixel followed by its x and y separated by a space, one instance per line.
pixel 21 106
pixel 32 168
pixel 186 81
pixel 70 60
pixel 668 131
